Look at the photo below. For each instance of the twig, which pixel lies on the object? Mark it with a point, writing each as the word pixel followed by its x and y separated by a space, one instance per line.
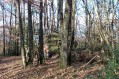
pixel 89 61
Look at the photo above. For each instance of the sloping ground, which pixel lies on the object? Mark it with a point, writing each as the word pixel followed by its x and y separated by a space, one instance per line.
pixel 11 68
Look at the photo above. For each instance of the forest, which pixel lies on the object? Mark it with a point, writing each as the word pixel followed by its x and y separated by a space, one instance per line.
pixel 59 39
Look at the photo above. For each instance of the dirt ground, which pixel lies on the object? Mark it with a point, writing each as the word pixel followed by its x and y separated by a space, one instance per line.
pixel 11 68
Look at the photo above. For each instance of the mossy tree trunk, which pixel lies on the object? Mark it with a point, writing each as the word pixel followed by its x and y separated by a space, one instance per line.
pixel 60 7
pixel 65 25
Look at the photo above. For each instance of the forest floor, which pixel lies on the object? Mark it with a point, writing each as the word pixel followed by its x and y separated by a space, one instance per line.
pixel 11 68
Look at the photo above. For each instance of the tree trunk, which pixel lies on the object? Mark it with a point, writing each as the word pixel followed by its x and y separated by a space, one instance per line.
pixel 10 32
pixel 45 17
pixel 58 15
pixel 69 29
pixel 72 32
pixel 23 52
pixel 53 19
pixel 66 34
pixel 17 47
pixel 3 31
pixel 41 53
pixel 30 30
pixel 61 34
